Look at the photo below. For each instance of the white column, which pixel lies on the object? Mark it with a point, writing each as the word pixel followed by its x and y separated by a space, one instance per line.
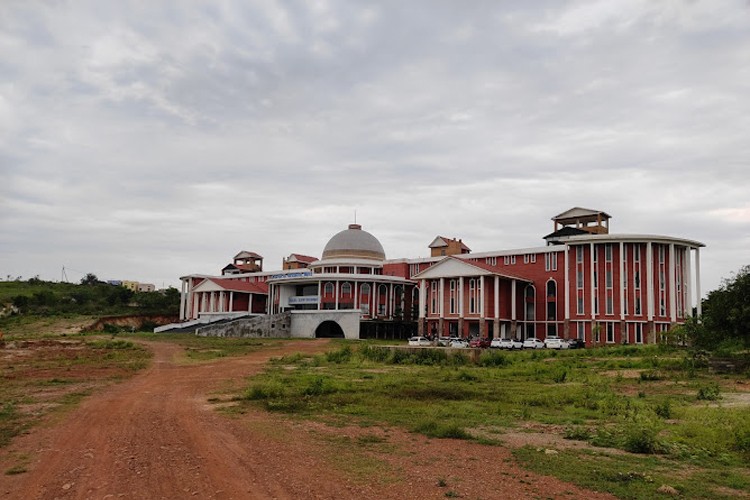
pixel 481 297
pixel 391 301
pixel 672 285
pixel 422 298
pixel 650 281
pixel 687 282
pixel 222 297
pixel 356 294
pixel 320 294
pixel 497 297
pixel 250 302
pixel 513 301
pixel 183 299
pixel 441 298
pixel 698 305
pixel 567 282
pixel 622 280
pixel 460 292
pixel 231 302
pixel 212 304
pixel 593 284
pixel 336 292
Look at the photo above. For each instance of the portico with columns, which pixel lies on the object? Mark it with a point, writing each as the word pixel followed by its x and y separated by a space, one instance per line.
pixel 468 299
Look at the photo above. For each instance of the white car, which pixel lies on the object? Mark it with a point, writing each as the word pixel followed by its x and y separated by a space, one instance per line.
pixel 497 343
pixel 512 344
pixel 459 344
pixel 553 342
pixel 419 341
pixel 533 343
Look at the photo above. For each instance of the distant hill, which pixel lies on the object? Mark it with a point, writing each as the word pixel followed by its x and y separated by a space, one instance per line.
pixel 38 297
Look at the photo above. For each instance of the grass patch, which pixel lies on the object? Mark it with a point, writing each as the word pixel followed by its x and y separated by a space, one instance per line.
pixel 654 417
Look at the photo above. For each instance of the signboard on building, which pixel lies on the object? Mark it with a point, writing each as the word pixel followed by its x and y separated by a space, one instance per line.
pixel 305 299
pixel 297 274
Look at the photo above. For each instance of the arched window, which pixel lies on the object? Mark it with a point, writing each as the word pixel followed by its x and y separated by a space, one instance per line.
pixel 530 310
pixel 346 290
pixel 328 290
pixel 551 307
pixel 472 296
pixel 364 290
pixel 415 303
pixel 452 307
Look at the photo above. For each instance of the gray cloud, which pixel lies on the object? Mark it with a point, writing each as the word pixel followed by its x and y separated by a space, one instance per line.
pixel 148 141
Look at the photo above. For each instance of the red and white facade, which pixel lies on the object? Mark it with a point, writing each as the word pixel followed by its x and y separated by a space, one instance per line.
pixel 586 283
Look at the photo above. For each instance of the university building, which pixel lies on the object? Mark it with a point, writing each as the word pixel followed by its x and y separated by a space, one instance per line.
pixel 583 282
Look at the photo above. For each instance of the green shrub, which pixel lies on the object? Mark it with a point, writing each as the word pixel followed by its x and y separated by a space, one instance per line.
pixel 640 436
pixel 650 375
pixel 267 390
pixel 465 376
pixel 342 355
pixel 578 433
pixel 664 409
pixel 559 376
pixel 431 428
pixel 374 353
pixel 493 359
pixel 709 392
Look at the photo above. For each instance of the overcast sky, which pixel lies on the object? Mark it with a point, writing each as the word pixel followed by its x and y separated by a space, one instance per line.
pixel 150 140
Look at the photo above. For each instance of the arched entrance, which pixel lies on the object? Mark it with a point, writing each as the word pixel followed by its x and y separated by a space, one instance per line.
pixel 329 330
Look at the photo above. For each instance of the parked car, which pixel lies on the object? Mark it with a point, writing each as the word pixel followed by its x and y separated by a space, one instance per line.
pixel 479 343
pixel 533 343
pixel 576 344
pixel 444 341
pixel 554 342
pixel 459 344
pixel 419 341
pixel 496 343
pixel 511 344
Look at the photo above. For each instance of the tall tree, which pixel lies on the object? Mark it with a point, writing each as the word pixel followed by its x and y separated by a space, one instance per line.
pixel 726 311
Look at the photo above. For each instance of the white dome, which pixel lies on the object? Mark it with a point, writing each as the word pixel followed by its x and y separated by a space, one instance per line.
pixel 354 243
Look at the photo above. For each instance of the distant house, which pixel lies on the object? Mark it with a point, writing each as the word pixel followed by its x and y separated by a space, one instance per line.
pixel 244 262
pixel 298 261
pixel 130 285
pixel 441 247
pixel 146 287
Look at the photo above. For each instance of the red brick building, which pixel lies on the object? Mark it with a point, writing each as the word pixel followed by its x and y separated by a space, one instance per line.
pixel 585 282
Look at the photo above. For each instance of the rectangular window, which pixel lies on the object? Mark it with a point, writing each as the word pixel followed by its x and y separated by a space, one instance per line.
pixel 638 333
pixel 506 260
pixel 609 305
pixel 550 261
pixel 579 254
pixel 579 308
pixel 533 258
pixel 492 261
pixel 526 258
pixel 608 278
pixel 582 331
pixel 610 333
pixel 637 306
pixel 608 252
pixel 579 279
pixel 512 259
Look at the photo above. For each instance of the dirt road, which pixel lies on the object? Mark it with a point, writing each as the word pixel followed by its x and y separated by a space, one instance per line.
pixel 158 436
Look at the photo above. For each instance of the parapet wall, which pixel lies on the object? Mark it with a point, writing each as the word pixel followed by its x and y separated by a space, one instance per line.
pixel 268 326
